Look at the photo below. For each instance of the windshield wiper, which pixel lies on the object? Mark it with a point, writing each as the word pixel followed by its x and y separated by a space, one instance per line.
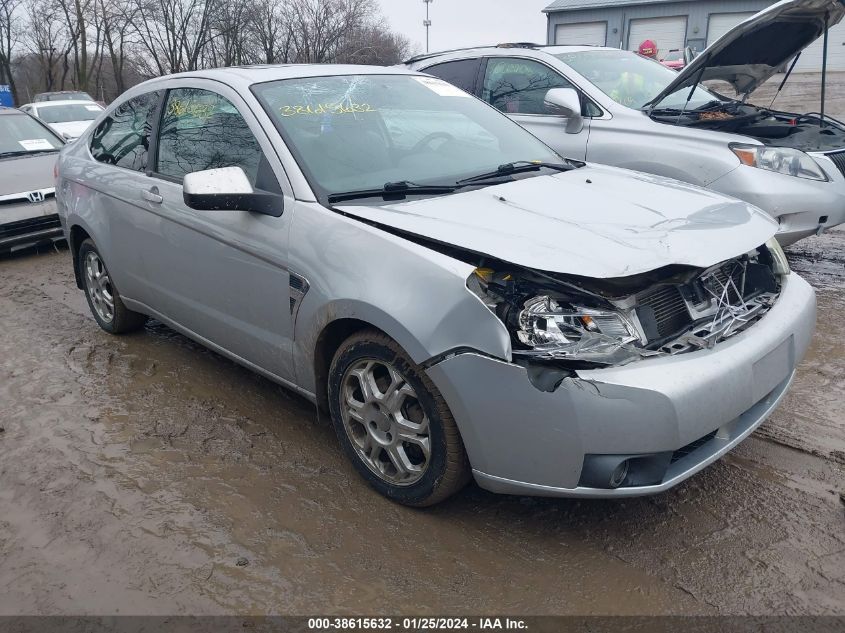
pixel 394 191
pixel 401 189
pixel 519 167
pixel 26 152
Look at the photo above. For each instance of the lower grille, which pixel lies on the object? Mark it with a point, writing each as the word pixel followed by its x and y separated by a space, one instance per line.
pixel 691 447
pixel 31 225
pixel 839 160
pixel 669 309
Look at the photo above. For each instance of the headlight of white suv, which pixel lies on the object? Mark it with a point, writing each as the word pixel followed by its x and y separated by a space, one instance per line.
pixel 782 160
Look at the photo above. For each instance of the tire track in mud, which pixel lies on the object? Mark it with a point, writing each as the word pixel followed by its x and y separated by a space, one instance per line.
pixel 136 471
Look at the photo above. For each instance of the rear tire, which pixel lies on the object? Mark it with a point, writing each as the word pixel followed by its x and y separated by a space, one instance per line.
pixel 393 423
pixel 103 298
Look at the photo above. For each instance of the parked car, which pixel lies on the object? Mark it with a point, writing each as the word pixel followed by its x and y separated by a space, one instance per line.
pixel 62 95
pixel 28 152
pixel 455 294
pixel 674 60
pixel 69 119
pixel 618 108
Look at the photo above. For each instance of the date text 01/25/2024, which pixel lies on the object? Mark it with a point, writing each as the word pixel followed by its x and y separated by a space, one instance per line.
pixel 416 624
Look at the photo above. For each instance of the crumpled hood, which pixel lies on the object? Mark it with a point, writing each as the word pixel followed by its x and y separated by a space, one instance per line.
pixel 596 221
pixel 27 173
pixel 756 49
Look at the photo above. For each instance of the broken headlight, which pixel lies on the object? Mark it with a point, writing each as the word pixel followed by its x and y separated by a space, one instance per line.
pixel 557 321
pixel 554 330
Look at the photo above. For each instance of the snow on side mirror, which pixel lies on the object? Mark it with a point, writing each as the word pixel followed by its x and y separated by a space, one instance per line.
pixel 565 102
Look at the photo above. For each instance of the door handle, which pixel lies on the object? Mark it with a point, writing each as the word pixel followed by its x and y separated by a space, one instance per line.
pixel 152 195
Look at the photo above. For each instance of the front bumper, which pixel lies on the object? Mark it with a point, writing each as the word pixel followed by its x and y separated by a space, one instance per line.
pixel 680 412
pixel 29 224
pixel 802 207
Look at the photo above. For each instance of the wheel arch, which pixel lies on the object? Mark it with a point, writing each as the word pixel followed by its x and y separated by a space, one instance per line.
pixel 341 320
pixel 77 235
pixel 328 341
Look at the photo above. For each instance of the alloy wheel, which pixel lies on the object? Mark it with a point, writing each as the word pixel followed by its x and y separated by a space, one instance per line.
pixel 385 422
pixel 99 286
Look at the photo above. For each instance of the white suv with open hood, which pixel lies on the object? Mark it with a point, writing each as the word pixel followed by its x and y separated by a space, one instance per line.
pixel 615 107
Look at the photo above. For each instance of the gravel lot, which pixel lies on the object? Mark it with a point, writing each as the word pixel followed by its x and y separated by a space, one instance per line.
pixel 147 475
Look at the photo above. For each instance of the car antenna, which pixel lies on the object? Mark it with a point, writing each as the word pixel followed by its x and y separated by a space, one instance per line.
pixel 785 78
pixel 824 65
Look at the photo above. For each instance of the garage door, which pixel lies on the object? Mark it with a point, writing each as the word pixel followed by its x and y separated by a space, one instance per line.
pixel 587 34
pixel 668 33
pixel 721 23
pixel 811 58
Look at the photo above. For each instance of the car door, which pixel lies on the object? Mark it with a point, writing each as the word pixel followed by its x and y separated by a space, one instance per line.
pixel 518 86
pixel 115 183
pixel 221 275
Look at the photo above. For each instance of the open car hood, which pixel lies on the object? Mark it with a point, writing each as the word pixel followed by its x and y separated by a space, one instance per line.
pixel 597 221
pixel 754 50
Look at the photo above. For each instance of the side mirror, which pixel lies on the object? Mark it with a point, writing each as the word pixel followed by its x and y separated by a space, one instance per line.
pixel 566 102
pixel 228 189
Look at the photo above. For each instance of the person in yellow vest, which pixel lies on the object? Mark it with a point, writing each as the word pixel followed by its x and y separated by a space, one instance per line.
pixel 630 90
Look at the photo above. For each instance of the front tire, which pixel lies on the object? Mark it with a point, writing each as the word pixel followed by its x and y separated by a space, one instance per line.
pixel 393 423
pixel 103 298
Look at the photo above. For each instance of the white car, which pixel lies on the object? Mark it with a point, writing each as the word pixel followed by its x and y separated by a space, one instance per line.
pixel 67 118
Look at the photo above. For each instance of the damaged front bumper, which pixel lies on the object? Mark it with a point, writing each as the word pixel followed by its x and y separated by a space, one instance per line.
pixel 666 417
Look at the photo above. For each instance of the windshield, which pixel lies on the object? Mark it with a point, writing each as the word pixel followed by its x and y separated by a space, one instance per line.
pixel 359 132
pixel 22 134
pixel 68 113
pixel 633 80
pixel 674 56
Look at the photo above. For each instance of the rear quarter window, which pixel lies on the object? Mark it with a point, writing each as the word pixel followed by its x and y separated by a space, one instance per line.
pixel 463 73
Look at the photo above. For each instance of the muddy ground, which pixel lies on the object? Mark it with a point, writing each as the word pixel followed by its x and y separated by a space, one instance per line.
pixel 147 475
pixel 144 474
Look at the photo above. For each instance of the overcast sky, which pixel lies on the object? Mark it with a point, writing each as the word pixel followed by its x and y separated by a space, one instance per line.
pixel 457 23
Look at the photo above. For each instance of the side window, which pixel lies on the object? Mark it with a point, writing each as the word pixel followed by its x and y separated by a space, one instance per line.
pixel 202 130
pixel 519 86
pixel 123 138
pixel 461 74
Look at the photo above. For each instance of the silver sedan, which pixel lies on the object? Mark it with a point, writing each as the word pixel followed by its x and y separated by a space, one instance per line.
pixel 460 299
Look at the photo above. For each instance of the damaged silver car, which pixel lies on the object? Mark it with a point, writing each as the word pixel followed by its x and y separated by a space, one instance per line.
pixel 461 301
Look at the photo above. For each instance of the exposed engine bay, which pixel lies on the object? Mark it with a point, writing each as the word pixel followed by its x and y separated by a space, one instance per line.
pixel 804 132
pixel 578 323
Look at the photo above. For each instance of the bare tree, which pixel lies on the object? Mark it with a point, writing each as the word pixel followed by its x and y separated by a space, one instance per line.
pixel 9 27
pixel 272 28
pixel 106 46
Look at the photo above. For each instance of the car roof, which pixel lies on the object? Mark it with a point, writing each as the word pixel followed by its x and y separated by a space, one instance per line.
pixel 506 50
pixel 61 92
pixel 50 104
pixel 4 111
pixel 244 76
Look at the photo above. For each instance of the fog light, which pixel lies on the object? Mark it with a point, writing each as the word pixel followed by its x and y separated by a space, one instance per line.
pixel 617 477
